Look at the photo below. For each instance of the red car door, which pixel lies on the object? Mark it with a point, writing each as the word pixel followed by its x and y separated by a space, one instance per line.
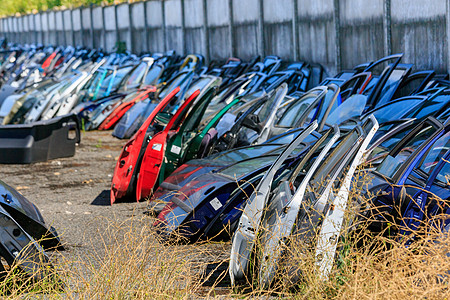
pixel 128 163
pixel 154 154
pixel 118 113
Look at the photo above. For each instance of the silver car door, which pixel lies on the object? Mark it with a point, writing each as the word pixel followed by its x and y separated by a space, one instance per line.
pixel 57 101
pixel 304 214
pixel 280 95
pixel 332 224
pixel 280 218
pixel 245 234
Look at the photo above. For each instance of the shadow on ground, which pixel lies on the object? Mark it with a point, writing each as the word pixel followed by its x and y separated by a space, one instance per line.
pixel 217 275
pixel 103 199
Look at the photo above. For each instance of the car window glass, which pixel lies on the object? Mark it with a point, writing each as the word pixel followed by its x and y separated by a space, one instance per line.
pixel 295 111
pixel 434 154
pixel 245 153
pixel 269 80
pixel 329 96
pixel 152 75
pixel 247 166
pixel 389 144
pixel 444 174
pixel 116 80
pixel 198 85
pixel 96 80
pixel 121 73
pixel 352 107
pixel 287 138
pixel 192 118
pixel 391 163
pixel 333 159
pixel 172 86
pixel 137 74
pixel 370 86
pixel 395 110
pixel 390 86
pixel 409 87
pixel 314 107
pixel 444 115
pixel 428 107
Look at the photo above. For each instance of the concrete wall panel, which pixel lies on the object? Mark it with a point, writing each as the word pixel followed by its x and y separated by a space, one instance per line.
pixel 245 11
pixel 195 40
pixel 59 28
pixel 172 10
pixel 317 40
pixel 218 12
pixel 110 18
pixel 361 43
pixel 76 17
pixel 174 39
pixel 123 16
pixel 360 9
pixel 154 13
pixel 156 40
pixel 67 23
pixel 98 38
pixel 278 40
pixel 423 44
pixel 193 11
pixel 246 40
pixel 362 34
pixel 77 33
pixel 219 38
pixel 137 15
pixel 277 10
pixel 417 9
pixel 86 27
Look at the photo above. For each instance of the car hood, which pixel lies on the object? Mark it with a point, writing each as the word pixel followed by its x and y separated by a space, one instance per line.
pixel 188 198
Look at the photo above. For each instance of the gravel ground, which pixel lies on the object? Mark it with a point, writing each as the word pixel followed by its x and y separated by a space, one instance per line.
pixel 73 196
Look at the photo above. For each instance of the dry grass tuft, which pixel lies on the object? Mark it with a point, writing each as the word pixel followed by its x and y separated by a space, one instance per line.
pixel 135 263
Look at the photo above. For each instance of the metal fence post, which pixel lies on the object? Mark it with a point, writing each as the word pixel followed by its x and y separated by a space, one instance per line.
pixel 337 25
pixel 81 26
pixel 63 28
pixel 163 13
pixel 447 17
pixel 261 42
pixel 92 27
pixel 387 27
pixel 183 27
pixel 71 26
pixel 48 27
pixel 295 30
pixel 130 27
pixel 231 28
pixel 206 30
pixel 105 45
pixel 147 40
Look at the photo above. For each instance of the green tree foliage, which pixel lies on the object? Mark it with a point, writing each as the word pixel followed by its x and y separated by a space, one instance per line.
pixel 11 7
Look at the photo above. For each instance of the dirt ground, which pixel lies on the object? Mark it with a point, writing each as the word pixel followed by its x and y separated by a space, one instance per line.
pixel 73 193
pixel 73 196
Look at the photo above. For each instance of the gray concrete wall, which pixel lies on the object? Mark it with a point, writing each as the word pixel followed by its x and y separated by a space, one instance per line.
pixel 335 33
pixel 138 27
pixel 155 26
pixel 246 37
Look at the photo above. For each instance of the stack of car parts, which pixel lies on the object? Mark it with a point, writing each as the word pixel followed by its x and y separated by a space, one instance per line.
pixel 25 237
